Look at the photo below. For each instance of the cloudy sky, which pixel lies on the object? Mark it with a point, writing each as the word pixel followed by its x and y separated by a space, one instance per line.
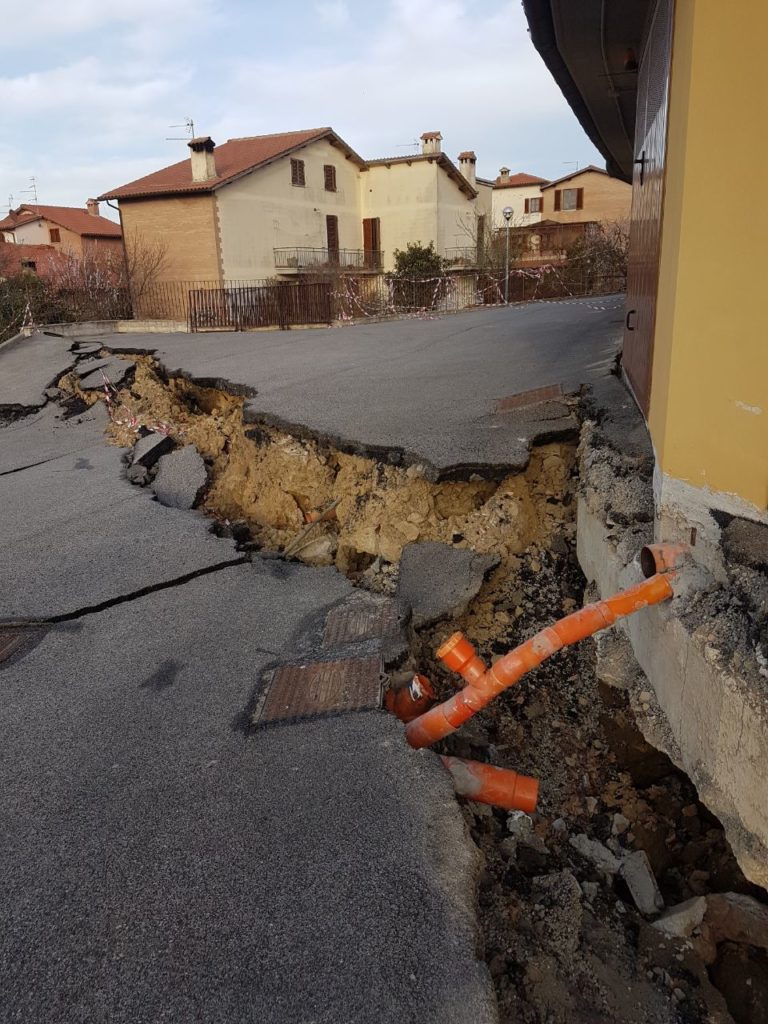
pixel 90 88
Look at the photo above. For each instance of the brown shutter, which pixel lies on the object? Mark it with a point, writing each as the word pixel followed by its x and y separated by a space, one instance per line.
pixel 330 178
pixel 368 234
pixel 332 234
pixel 579 198
pixel 557 198
pixel 297 172
pixel 527 205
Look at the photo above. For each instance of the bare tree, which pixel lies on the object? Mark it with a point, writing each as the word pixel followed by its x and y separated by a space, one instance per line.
pixel 145 261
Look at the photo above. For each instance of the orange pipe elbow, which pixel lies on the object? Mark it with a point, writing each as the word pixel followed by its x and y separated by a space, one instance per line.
pixel 411 701
pixel 491 785
pixel 484 684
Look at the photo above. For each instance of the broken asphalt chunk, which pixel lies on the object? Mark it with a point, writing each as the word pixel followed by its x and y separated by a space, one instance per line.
pixel 439 581
pixel 150 448
pixel 181 478
pixel 91 373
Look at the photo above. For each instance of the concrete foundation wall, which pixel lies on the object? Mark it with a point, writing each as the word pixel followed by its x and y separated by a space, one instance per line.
pixel 710 709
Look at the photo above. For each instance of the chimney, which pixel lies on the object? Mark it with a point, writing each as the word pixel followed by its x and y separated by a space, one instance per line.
pixel 430 142
pixel 202 159
pixel 92 207
pixel 467 161
pixel 504 176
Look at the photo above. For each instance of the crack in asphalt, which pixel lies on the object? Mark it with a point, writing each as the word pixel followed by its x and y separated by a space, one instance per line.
pixel 133 595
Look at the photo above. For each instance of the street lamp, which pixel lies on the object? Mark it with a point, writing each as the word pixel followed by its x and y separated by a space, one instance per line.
pixel 507 212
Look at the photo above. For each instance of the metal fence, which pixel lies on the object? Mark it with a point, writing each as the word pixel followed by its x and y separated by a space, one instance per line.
pixel 325 298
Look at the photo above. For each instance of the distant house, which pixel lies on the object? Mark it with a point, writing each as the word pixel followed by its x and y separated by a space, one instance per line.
pixel 299 202
pixel 589 194
pixel 73 230
pixel 521 192
pixel 42 260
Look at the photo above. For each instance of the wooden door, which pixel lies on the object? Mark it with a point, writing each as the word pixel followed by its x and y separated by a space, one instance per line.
pixel 647 201
pixel 372 242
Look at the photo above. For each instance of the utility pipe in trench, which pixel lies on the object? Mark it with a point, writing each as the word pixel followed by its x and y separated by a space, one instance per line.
pixel 484 684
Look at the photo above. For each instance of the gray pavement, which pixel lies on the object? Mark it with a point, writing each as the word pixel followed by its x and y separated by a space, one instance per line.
pixel 425 388
pixel 30 365
pixel 161 863
pixel 82 535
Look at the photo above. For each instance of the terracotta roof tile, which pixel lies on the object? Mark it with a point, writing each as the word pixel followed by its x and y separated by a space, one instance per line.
pixel 515 180
pixel 73 218
pixel 233 158
pixel 575 174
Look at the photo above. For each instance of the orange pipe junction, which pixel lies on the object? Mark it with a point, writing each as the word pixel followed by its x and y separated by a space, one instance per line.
pixel 408 702
pixel 491 785
pixel 483 683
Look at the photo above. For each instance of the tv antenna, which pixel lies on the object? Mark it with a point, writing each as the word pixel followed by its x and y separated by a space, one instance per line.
pixel 571 163
pixel 409 145
pixel 189 128
pixel 32 190
pixel 10 201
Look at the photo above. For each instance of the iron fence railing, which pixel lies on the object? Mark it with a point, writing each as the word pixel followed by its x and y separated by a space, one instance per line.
pixel 326 297
pixel 297 258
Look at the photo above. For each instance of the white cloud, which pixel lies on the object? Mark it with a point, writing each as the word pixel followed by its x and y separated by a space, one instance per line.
pixel 468 70
pixel 380 74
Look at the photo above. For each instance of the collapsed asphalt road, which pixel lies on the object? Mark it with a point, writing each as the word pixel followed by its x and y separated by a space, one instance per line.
pixel 160 861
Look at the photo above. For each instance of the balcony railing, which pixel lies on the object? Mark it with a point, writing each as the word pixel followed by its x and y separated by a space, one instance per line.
pixel 328 259
pixel 465 256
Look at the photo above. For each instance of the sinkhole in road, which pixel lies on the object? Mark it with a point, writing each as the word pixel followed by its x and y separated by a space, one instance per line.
pixel 564 941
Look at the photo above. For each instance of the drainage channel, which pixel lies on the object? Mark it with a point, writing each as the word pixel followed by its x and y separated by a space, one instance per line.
pixel 570 895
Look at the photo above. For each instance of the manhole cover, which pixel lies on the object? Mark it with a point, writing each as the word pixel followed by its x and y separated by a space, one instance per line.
pixel 355 622
pixel 320 688
pixel 523 398
pixel 12 641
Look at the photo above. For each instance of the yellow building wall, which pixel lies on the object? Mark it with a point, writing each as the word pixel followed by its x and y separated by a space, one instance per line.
pixel 515 197
pixel 709 393
pixel 404 198
pixel 184 226
pixel 605 199
pixel 457 215
pixel 263 211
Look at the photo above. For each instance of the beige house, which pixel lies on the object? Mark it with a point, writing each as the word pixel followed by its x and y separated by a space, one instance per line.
pixel 72 230
pixel 590 194
pixel 281 205
pixel 521 192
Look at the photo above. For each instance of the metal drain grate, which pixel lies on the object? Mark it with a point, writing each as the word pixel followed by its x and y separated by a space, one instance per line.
pixel 14 640
pixel 316 689
pixel 356 622
pixel 523 398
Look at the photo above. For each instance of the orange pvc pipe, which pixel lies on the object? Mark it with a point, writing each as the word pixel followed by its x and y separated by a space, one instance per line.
pixel 483 684
pixel 410 701
pixel 491 785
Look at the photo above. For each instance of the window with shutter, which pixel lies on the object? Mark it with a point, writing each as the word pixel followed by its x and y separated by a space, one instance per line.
pixel 330 178
pixel 534 205
pixel 527 205
pixel 558 196
pixel 55 234
pixel 580 199
pixel 571 198
pixel 297 173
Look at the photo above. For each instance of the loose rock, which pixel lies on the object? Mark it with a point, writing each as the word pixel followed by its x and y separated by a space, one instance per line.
pixel 636 872
pixel 597 854
pixel 181 478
